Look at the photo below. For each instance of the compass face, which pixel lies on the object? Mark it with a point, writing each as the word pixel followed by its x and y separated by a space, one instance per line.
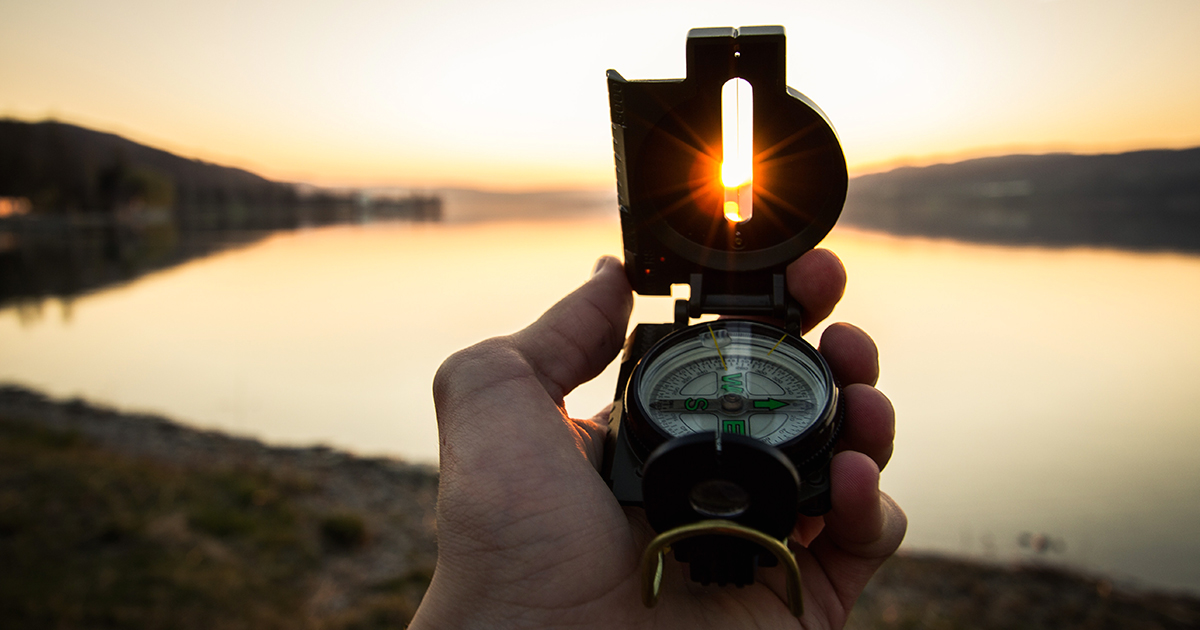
pixel 733 376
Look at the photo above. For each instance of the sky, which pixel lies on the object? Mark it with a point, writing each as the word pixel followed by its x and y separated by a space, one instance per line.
pixel 512 96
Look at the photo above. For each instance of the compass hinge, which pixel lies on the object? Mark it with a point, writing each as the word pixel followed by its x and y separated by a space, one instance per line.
pixel 751 295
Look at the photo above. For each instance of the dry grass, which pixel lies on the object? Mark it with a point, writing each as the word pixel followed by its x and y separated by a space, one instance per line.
pixel 90 538
pixel 110 520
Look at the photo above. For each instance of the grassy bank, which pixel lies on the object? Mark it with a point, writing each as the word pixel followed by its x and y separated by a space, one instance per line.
pixel 110 520
pixel 182 529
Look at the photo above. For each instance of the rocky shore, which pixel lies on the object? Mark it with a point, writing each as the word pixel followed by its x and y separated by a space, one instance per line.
pixel 132 521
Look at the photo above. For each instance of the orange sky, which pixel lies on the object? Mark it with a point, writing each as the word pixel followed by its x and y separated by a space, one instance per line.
pixel 483 94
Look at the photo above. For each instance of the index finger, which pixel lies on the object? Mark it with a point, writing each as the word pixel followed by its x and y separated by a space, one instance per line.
pixel 817 280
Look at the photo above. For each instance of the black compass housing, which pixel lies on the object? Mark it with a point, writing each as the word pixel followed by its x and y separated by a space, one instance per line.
pixel 667 147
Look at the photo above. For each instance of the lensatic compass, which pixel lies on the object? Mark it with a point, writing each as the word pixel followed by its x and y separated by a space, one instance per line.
pixel 723 430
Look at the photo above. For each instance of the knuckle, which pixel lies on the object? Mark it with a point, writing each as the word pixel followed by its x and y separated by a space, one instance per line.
pixel 464 369
pixel 476 368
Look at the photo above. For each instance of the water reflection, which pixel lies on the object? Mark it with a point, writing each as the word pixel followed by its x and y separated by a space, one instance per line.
pixel 66 254
pixel 80 209
pixel 1040 390
pixel 1040 393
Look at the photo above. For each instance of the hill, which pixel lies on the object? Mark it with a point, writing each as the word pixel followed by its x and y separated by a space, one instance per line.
pixel 1143 200
pixel 64 168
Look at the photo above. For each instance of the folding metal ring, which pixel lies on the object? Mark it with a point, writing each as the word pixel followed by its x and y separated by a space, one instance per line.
pixel 652 558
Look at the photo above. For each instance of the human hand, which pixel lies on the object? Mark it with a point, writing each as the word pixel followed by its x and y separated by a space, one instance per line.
pixel 530 536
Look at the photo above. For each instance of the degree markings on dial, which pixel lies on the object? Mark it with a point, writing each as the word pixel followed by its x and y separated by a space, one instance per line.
pixel 701 404
pixel 780 399
pixel 686 372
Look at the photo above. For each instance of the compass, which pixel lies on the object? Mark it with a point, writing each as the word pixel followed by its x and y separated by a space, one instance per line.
pixel 723 430
pixel 734 377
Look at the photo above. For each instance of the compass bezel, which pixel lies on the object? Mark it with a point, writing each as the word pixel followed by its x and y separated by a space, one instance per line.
pixel 646 434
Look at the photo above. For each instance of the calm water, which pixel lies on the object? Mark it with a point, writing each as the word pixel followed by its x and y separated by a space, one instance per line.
pixel 1038 391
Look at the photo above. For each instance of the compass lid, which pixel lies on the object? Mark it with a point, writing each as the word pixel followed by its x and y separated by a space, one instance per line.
pixel 670 138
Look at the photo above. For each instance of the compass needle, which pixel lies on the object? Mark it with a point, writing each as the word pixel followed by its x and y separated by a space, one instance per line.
pixel 777 344
pixel 717 345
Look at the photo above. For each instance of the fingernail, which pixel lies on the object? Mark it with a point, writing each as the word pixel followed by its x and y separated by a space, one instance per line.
pixel 599 265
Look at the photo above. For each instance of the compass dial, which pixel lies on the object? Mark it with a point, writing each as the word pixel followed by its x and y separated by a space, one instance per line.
pixel 734 376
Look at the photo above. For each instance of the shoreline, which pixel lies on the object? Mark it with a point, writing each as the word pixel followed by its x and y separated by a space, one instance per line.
pixel 346 541
pixel 228 531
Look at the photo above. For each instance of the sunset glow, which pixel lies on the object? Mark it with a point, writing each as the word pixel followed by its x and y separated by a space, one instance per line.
pixel 474 94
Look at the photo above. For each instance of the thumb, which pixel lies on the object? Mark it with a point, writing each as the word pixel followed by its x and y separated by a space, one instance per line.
pixel 580 335
pixel 531 370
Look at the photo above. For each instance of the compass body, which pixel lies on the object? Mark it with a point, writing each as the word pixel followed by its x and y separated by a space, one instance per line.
pixel 732 421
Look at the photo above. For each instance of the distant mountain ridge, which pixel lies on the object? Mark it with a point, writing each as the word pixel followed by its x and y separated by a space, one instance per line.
pixel 1144 200
pixel 477 205
pixel 63 167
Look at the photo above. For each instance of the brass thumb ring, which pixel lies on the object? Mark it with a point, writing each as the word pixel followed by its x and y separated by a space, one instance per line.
pixel 652 558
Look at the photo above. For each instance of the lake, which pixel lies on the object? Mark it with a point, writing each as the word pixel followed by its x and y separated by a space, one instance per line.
pixel 1043 396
